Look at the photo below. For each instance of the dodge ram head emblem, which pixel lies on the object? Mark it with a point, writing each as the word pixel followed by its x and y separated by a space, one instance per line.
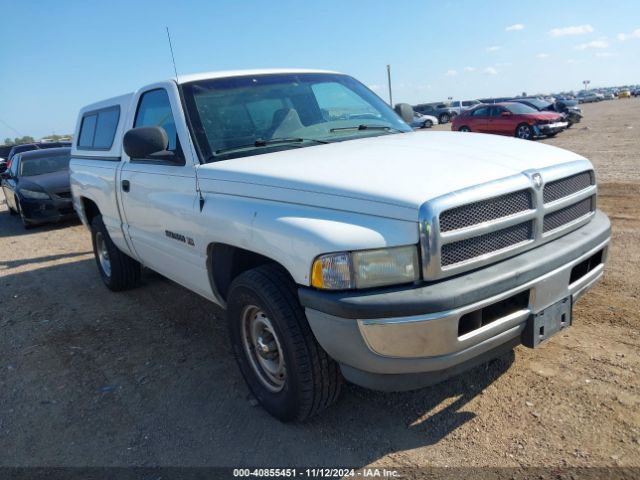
pixel 537 180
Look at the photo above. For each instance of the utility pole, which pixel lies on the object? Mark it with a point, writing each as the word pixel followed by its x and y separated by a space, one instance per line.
pixel 389 83
pixel 586 83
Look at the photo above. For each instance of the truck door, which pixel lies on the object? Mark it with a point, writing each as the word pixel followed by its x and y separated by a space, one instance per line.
pixel 159 198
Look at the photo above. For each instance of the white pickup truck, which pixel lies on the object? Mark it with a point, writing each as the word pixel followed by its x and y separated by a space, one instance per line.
pixel 341 243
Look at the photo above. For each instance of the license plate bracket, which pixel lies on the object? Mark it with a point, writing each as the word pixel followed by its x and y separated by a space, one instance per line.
pixel 546 323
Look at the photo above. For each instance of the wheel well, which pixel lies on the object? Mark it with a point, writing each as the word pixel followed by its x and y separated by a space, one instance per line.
pixel 226 262
pixel 90 209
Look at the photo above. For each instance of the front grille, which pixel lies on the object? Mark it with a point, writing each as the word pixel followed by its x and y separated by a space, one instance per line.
pixel 567 186
pixel 485 210
pixel 568 214
pixel 472 233
pixel 492 242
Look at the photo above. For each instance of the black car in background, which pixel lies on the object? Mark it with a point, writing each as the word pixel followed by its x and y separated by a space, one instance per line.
pixel 567 108
pixel 441 111
pixel 36 186
pixel 26 147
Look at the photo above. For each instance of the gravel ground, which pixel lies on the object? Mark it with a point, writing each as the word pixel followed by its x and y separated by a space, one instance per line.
pixel 145 378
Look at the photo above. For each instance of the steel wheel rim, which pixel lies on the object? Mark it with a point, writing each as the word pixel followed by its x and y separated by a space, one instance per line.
pixel 263 348
pixel 103 254
pixel 523 132
pixel 428 124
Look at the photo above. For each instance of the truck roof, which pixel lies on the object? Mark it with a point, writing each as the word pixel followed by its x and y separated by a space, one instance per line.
pixel 242 73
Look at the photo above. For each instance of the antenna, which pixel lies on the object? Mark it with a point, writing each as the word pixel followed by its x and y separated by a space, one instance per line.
pixel 175 70
pixel 191 148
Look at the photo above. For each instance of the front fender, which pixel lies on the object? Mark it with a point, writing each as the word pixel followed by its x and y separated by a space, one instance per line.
pixel 294 235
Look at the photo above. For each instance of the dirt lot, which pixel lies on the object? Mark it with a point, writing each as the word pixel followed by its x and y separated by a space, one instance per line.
pixel 89 377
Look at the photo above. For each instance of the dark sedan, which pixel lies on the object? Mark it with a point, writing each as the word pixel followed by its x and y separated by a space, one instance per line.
pixel 36 186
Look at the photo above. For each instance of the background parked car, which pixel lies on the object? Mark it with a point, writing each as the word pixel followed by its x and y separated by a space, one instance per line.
pixel 26 147
pixel 588 97
pixel 571 109
pixel 509 118
pixel 461 105
pixel 36 186
pixel 3 165
pixel 624 93
pixel 572 114
pixel 439 110
pixel 423 121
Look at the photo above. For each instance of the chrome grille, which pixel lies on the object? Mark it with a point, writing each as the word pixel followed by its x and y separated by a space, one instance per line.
pixel 567 186
pixel 492 242
pixel 568 214
pixel 485 210
pixel 486 223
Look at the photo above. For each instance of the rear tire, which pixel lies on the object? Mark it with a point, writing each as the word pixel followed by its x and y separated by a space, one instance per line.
pixel 524 131
pixel 427 124
pixel 464 128
pixel 285 368
pixel 444 118
pixel 117 270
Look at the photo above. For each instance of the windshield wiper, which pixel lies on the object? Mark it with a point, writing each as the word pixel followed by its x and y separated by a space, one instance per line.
pixel 265 143
pixel 365 127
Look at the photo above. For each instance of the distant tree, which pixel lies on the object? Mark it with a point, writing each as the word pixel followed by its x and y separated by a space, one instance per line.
pixel 8 141
pixel 25 139
pixel 56 138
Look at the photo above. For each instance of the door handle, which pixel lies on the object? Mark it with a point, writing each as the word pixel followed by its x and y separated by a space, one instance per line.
pixel 125 185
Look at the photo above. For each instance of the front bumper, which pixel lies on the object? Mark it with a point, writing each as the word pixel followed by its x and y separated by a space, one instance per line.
pixel 405 338
pixel 44 211
pixel 550 128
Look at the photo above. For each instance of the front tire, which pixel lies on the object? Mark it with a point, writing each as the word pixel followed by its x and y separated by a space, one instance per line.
pixel 285 368
pixel 427 124
pixel 117 270
pixel 25 223
pixel 444 118
pixel 524 131
pixel 464 128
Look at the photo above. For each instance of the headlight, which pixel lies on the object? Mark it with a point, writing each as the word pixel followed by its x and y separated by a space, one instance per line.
pixel 366 269
pixel 34 194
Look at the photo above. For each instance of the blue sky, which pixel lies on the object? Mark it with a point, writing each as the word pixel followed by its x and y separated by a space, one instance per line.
pixel 56 59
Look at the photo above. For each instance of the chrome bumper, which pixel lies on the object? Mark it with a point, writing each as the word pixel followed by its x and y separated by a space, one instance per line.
pixel 437 333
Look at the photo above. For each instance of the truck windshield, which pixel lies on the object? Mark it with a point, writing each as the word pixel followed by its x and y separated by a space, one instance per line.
pixel 237 116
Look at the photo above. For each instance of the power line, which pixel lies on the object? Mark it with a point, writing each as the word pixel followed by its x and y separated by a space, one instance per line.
pixel 11 128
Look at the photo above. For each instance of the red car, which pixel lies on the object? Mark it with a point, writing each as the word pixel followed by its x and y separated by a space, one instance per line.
pixel 509 118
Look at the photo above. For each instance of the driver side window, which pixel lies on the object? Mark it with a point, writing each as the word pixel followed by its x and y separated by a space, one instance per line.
pixel 154 109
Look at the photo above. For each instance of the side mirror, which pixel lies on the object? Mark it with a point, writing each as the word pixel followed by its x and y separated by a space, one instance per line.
pixel 506 114
pixel 404 111
pixel 147 142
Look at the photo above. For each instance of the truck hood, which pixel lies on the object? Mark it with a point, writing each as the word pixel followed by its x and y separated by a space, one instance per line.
pixel 388 175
